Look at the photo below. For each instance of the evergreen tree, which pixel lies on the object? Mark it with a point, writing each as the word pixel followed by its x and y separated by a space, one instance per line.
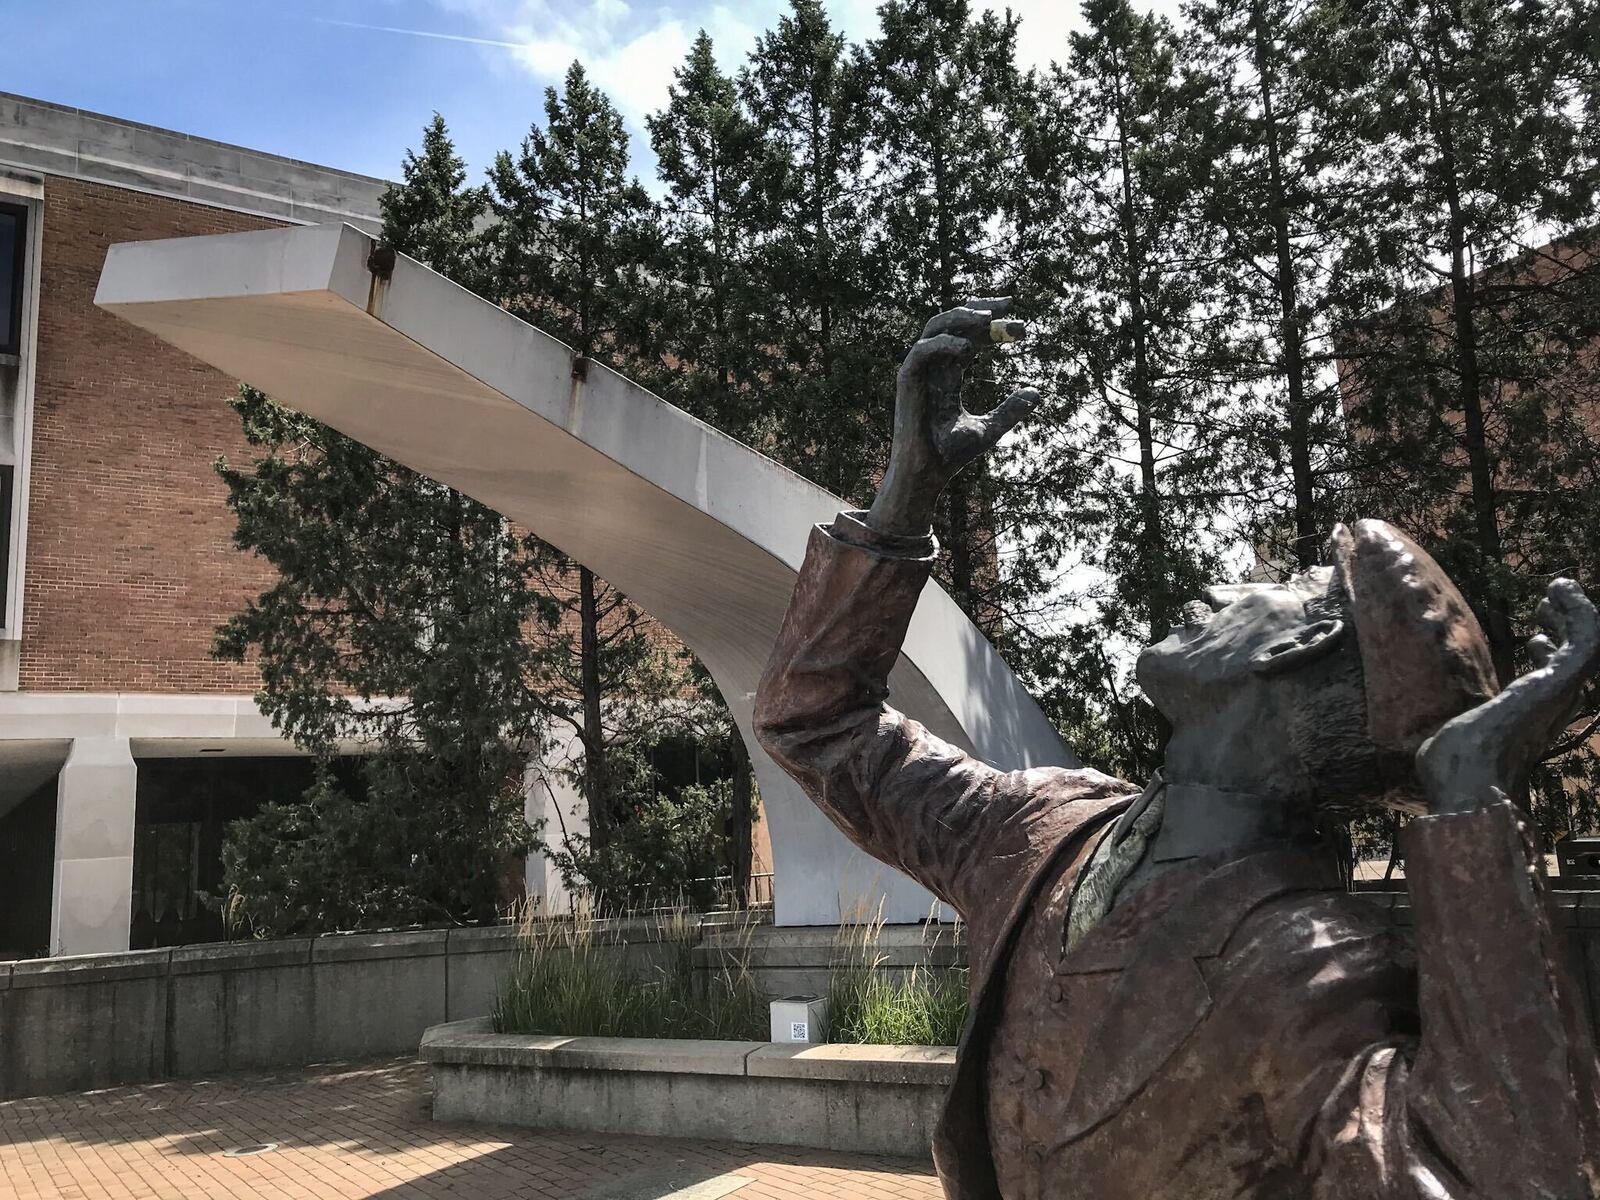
pixel 396 621
pixel 1473 299
pixel 575 239
pixel 945 100
pixel 434 217
pixel 711 158
pixel 815 271
pixel 713 326
pixel 575 236
pixel 1139 436
pixel 1279 189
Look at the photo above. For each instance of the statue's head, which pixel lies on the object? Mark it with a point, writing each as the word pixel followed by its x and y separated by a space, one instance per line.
pixel 1325 685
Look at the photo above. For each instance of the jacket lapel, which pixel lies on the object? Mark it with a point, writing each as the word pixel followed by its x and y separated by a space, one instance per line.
pixel 961 1151
pixel 1162 993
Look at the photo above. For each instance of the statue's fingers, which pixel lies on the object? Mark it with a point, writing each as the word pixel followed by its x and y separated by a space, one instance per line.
pixel 1540 651
pixel 1006 331
pixel 1569 615
pixel 995 306
pixel 965 322
pixel 1009 413
pixel 940 347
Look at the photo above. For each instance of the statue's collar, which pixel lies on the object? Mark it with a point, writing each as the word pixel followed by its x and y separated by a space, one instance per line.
pixel 1201 820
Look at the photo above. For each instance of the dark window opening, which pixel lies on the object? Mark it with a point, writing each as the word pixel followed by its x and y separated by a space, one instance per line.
pixel 6 477
pixel 183 807
pixel 13 241
pixel 27 871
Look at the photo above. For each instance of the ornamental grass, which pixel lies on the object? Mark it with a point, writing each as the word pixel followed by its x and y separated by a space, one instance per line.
pixel 577 976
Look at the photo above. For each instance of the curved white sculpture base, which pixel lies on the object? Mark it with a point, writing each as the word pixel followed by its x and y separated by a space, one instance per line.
pixel 698 529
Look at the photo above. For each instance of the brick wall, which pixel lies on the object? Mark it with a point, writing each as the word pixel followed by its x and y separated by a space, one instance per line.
pixel 129 563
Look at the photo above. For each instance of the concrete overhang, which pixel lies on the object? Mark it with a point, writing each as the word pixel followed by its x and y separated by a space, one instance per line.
pixel 700 530
pixel 26 764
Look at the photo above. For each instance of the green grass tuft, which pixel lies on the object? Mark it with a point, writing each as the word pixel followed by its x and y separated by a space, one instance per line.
pixel 869 1004
pixel 567 980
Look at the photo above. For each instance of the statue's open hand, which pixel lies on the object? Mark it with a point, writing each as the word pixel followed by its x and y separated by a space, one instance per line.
pixel 1489 750
pixel 935 437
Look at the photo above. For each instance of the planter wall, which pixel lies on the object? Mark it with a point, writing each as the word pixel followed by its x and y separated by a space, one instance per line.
pixel 860 1099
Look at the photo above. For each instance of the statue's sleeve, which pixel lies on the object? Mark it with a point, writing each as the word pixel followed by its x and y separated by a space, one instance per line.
pixel 1496 1096
pixel 903 795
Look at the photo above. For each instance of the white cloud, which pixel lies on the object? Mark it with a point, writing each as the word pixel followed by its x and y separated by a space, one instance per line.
pixel 1042 37
pixel 631 52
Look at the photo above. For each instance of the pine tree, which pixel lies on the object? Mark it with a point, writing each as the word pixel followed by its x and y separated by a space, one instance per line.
pixel 395 589
pixel 713 322
pixel 434 217
pixel 712 160
pixel 815 270
pixel 1138 434
pixel 575 236
pixel 1473 299
pixel 1275 183
pixel 396 621
pixel 946 95
pixel 575 240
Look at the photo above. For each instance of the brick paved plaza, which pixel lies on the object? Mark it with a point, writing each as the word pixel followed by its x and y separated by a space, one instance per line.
pixel 365 1130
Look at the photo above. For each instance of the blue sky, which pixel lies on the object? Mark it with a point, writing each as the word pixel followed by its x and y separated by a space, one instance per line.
pixel 350 83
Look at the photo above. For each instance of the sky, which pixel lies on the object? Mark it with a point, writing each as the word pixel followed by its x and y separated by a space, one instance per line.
pixel 351 83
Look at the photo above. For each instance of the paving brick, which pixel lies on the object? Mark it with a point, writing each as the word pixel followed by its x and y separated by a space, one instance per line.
pixel 364 1130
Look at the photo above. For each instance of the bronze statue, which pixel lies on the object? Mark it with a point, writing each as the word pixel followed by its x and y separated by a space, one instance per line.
pixel 1174 996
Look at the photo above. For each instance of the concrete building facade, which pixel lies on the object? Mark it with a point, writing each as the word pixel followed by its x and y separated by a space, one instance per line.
pixel 115 557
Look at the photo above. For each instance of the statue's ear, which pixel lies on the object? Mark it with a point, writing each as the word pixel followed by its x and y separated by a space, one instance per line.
pixel 1295 650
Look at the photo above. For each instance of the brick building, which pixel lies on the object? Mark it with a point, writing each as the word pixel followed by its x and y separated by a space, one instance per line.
pixel 125 748
pixel 115 559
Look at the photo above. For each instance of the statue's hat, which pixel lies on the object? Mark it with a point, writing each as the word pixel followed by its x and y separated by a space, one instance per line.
pixel 1423 652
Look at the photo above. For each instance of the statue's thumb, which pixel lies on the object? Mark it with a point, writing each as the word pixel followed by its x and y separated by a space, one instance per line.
pixel 1010 412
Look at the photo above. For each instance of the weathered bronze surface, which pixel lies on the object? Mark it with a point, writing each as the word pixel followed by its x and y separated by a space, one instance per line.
pixel 1191 1005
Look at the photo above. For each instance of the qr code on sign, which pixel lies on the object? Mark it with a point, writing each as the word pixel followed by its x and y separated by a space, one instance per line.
pixel 799 1031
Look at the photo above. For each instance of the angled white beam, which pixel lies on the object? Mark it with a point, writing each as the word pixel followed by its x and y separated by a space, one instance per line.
pixel 698 529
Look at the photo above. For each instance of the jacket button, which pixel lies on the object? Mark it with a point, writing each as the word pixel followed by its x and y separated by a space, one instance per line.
pixel 1060 993
pixel 1036 1079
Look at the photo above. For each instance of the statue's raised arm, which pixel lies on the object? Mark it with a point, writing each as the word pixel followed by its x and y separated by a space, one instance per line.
pixel 960 827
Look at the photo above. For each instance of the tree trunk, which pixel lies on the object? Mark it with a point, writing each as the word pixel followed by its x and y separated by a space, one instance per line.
pixel 1469 394
pixel 593 737
pixel 1307 534
pixel 1152 535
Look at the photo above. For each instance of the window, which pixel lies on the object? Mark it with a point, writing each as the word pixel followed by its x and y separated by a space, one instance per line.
pixel 6 474
pixel 13 240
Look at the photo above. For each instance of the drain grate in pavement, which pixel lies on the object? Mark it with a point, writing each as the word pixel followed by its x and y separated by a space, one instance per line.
pixel 248 1151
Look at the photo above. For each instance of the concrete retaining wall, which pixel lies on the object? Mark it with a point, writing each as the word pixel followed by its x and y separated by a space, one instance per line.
pixel 861 1099
pixel 102 1019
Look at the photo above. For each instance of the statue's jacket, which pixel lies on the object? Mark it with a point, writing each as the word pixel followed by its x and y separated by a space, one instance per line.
pixel 1239 1028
